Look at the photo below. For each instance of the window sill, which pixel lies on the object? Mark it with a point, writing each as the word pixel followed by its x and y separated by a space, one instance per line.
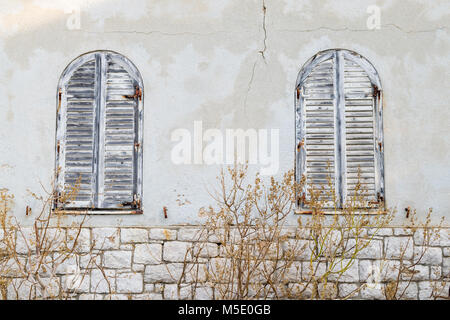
pixel 97 212
pixel 339 212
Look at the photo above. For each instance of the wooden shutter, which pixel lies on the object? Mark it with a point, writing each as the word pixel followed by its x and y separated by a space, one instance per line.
pixel 99 132
pixel 360 99
pixel 121 144
pixel 318 125
pixel 339 123
pixel 76 126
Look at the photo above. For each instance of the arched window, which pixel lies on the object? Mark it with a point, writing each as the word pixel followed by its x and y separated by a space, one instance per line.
pixel 339 130
pixel 99 133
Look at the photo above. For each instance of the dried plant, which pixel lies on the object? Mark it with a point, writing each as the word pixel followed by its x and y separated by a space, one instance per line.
pixel 262 257
pixel 398 278
pixel 247 248
pixel 42 261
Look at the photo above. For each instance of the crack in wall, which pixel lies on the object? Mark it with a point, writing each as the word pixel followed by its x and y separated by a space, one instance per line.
pixel 262 52
pixel 249 87
pixel 146 33
pixel 385 27
pixel 415 31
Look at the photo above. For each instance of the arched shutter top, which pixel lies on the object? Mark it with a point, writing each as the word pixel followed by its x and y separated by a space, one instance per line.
pixel 349 55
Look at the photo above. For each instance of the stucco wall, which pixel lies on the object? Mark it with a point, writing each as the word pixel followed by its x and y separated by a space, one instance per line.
pixel 202 60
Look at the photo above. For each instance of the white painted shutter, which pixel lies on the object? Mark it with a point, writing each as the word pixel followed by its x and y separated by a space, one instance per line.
pixel 99 132
pixel 120 138
pixel 79 125
pixel 319 113
pixel 339 124
pixel 360 99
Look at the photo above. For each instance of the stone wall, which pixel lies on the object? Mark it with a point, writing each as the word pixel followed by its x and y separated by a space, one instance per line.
pixel 137 262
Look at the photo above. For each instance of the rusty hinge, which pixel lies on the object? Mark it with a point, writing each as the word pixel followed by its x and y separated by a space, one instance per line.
pixel 298 93
pixel 56 197
pixel 128 203
pixel 59 99
pixel 58 147
pixel 380 146
pixel 136 203
pixel 301 200
pixel 137 94
pixel 379 200
pixel 300 145
pixel 165 212
pixel 137 145
pixel 376 91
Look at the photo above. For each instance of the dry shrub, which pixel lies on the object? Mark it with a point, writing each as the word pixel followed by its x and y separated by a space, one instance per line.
pixel 262 257
pixel 246 248
pixel 398 278
pixel 42 261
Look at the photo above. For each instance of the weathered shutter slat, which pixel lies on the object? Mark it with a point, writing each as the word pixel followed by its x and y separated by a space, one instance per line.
pixel 120 134
pixel 79 128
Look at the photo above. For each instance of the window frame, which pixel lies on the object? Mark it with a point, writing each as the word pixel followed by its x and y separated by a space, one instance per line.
pixel 339 130
pixel 100 96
